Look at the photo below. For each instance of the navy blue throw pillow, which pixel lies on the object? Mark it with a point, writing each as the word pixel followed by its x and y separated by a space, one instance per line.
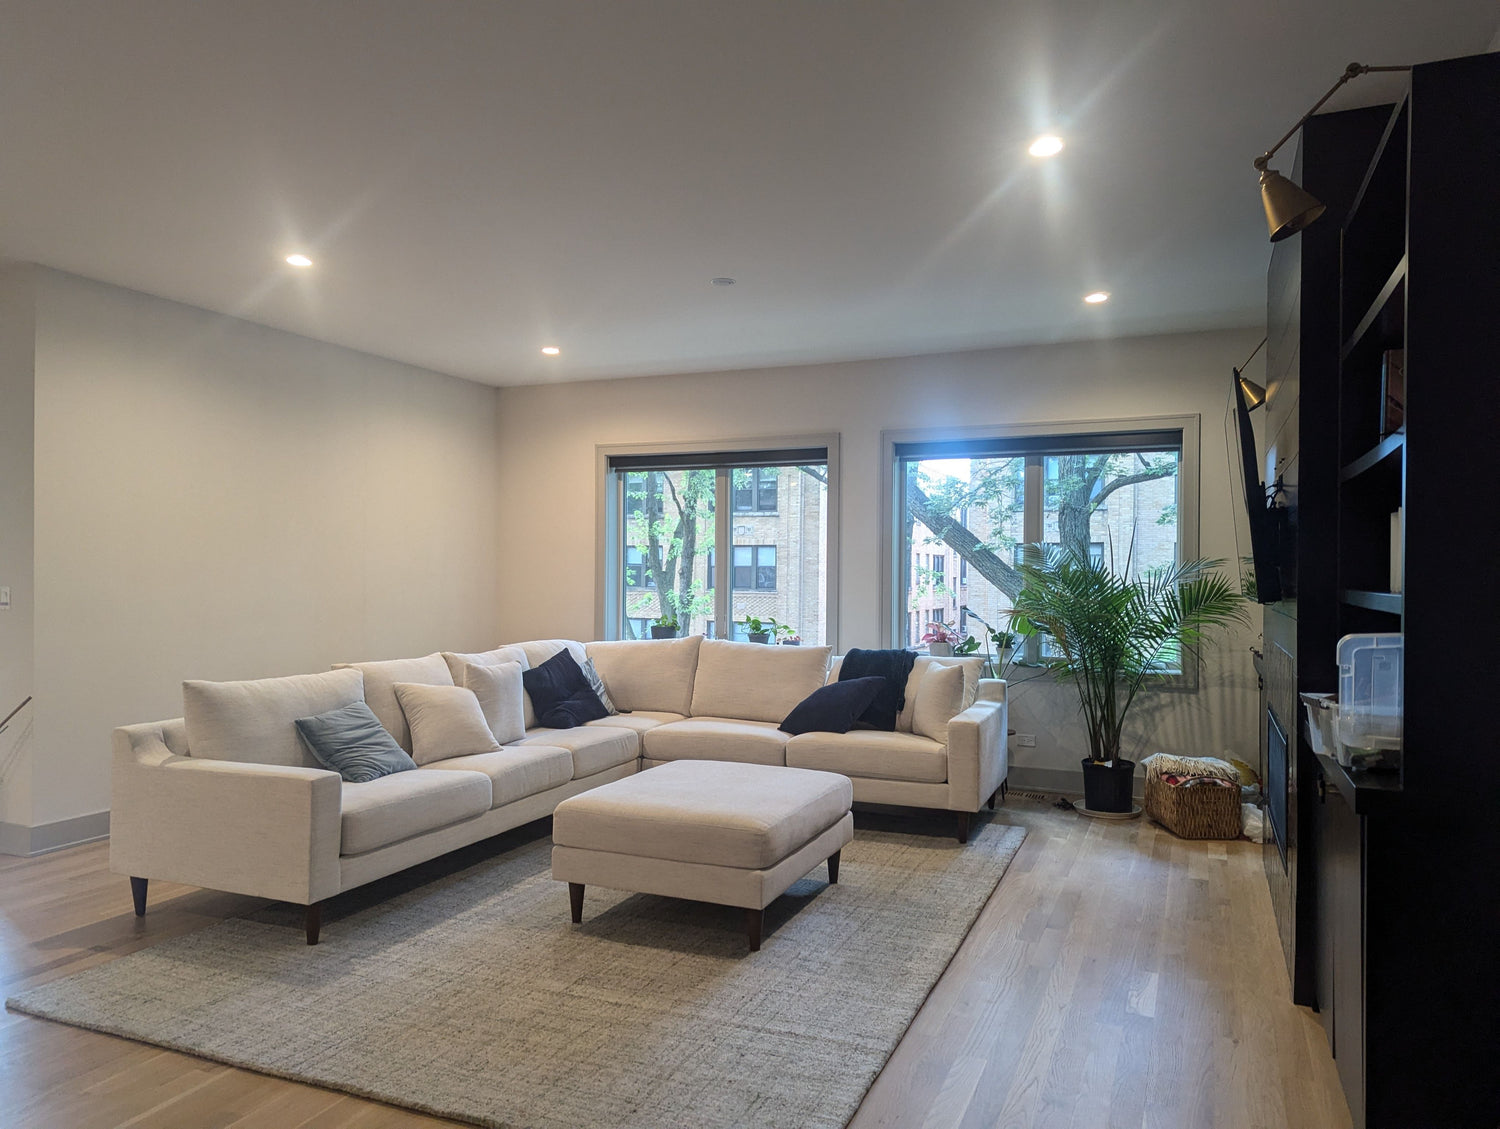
pixel 833 708
pixel 351 741
pixel 579 707
pixel 561 696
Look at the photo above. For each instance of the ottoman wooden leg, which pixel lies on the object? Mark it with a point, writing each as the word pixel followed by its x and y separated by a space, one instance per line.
pixel 754 920
pixel 575 895
pixel 833 869
pixel 138 895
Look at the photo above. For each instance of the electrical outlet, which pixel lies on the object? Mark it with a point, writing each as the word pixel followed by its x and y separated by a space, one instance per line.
pixel 1026 740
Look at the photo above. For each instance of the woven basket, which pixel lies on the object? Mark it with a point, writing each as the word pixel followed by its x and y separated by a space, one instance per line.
pixel 1204 812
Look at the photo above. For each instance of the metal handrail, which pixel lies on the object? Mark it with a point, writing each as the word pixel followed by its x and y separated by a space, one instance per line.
pixel 13 712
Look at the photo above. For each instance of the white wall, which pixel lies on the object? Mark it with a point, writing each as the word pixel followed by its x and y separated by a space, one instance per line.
pixel 17 342
pixel 547 459
pixel 215 499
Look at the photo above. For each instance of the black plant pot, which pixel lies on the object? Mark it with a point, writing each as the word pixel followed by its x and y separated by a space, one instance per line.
pixel 759 637
pixel 663 632
pixel 1106 787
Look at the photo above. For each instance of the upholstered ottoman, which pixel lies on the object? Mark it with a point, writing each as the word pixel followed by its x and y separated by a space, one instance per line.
pixel 711 831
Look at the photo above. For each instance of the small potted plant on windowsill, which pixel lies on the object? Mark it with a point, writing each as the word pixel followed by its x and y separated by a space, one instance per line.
pixel 758 630
pixel 792 640
pixel 664 627
pixel 940 639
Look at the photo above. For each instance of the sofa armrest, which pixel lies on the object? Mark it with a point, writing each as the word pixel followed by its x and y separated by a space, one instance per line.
pixel 265 830
pixel 978 752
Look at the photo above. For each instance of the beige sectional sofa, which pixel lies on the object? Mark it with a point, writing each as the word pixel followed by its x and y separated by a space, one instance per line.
pixel 227 797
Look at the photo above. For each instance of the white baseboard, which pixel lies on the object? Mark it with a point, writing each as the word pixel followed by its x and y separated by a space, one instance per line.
pixel 18 839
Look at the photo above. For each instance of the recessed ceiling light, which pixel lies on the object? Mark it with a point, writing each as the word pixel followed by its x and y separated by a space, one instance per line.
pixel 551 350
pixel 1096 297
pixel 299 260
pixel 722 281
pixel 1047 145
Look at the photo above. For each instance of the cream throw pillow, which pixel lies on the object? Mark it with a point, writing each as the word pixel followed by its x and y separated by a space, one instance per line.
pixel 445 721
pixel 940 698
pixel 501 697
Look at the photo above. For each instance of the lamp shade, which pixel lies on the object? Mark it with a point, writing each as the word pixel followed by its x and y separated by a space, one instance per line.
pixel 1254 394
pixel 1289 207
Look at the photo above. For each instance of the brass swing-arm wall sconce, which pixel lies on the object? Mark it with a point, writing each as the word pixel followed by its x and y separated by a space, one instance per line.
pixel 1289 207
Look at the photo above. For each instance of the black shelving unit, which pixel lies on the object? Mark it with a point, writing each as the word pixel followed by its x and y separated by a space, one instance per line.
pixel 1406 909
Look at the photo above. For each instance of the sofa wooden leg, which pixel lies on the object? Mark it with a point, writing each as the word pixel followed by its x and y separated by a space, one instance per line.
pixel 833 869
pixel 575 895
pixel 963 826
pixel 138 894
pixel 1004 788
pixel 313 921
pixel 755 920
pixel 993 794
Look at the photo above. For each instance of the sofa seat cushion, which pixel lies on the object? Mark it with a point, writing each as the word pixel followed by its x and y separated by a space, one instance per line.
pixel 648 674
pixel 384 811
pixel 873 753
pixel 739 815
pixel 516 772
pixel 717 739
pixel 640 720
pixel 754 681
pixel 594 748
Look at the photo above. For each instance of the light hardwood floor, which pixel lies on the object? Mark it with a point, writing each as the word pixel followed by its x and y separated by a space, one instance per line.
pixel 1118 977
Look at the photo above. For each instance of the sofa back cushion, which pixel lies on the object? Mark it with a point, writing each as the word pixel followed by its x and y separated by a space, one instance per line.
pixel 648 674
pixel 380 687
pixel 755 681
pixel 499 655
pixel 256 721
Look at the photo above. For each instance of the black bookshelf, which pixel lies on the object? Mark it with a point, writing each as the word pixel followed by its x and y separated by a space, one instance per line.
pixel 1402 864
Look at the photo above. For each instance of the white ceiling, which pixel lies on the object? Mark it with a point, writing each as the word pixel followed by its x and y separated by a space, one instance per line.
pixel 478 179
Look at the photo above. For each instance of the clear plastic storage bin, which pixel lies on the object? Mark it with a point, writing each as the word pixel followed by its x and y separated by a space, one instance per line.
pixel 1370 698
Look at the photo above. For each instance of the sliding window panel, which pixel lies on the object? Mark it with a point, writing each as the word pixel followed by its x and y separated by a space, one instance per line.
pixel 778 566
pixel 668 531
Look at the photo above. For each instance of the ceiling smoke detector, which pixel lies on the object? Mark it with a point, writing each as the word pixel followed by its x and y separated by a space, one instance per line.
pixel 722 281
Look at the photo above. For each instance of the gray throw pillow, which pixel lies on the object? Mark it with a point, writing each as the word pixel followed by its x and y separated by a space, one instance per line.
pixel 597 684
pixel 351 741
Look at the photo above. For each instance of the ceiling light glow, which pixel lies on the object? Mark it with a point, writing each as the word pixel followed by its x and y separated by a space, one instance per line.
pixel 1047 145
pixel 551 350
pixel 299 260
pixel 1096 297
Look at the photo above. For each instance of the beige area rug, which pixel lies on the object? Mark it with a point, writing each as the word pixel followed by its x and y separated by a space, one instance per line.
pixel 473 997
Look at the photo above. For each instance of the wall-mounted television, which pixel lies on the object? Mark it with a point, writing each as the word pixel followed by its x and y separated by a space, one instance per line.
pixel 1265 522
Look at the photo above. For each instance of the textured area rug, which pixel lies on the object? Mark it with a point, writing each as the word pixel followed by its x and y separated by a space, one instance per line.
pixel 473 996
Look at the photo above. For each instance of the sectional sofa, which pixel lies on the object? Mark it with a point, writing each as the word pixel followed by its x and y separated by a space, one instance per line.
pixel 227 797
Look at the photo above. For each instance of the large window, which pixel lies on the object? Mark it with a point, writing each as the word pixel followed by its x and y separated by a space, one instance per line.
pixel 1114 496
pixel 668 513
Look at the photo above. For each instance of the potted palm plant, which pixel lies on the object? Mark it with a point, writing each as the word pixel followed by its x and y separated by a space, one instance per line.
pixel 1114 638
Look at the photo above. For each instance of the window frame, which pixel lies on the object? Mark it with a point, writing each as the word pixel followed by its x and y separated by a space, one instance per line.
pixel 609 512
pixel 893 555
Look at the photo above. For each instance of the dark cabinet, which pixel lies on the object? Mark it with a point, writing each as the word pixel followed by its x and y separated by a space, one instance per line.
pixel 1394 911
